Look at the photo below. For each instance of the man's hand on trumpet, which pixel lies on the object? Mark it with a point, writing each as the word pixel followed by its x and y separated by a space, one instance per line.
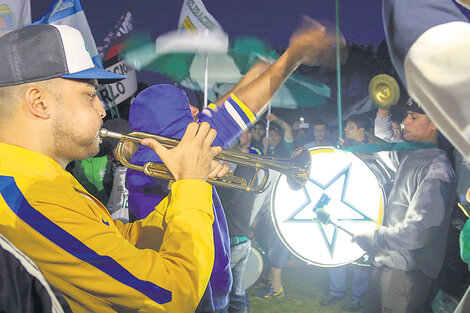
pixel 193 157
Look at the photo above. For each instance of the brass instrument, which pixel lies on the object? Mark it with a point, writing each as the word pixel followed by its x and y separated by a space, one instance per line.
pixel 384 91
pixel 296 168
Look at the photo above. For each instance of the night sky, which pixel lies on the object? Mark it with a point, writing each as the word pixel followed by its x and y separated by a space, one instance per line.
pixel 360 19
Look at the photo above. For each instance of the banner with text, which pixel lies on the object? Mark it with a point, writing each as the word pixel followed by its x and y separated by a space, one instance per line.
pixel 114 94
pixel 194 17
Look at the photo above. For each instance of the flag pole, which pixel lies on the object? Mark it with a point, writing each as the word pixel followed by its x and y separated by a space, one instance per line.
pixel 338 71
pixel 268 121
pixel 205 80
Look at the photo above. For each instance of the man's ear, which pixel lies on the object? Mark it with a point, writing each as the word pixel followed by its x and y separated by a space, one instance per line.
pixel 35 99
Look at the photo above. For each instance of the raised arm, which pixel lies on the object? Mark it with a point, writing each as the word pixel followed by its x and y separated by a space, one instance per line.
pixel 383 128
pixel 288 134
pixel 255 71
pixel 310 45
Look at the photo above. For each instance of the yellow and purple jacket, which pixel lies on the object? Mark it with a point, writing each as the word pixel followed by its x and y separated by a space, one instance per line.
pixel 100 264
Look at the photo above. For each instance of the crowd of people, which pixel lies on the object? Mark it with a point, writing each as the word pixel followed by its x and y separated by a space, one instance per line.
pixel 98 237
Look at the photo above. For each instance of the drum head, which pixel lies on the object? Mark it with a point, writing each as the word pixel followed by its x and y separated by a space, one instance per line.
pixel 355 202
pixel 254 267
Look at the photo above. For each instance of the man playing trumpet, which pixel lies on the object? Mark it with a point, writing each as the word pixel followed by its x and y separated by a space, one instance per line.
pixel 50 115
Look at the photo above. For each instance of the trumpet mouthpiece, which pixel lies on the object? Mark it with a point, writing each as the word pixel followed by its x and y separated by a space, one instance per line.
pixel 103 132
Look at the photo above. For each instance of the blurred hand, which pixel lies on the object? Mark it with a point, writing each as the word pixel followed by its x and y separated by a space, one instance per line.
pixel 271 117
pixel 317 44
pixel 192 157
pixel 340 142
pixel 363 241
pixel 266 142
pixel 296 125
pixel 467 196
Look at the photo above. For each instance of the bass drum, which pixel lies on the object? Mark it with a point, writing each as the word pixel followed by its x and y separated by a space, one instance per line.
pixel 254 266
pixel 350 189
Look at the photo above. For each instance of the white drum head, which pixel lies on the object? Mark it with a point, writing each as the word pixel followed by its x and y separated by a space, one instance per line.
pixel 356 201
pixel 254 268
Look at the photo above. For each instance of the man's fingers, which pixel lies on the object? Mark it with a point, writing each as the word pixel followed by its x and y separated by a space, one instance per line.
pixel 212 133
pixel 217 169
pixel 155 146
pixel 203 128
pixel 191 131
pixel 223 171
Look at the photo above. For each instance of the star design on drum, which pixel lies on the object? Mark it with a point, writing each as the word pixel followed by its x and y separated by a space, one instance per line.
pixel 318 196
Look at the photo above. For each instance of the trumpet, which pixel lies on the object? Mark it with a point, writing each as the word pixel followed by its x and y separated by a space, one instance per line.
pixel 296 168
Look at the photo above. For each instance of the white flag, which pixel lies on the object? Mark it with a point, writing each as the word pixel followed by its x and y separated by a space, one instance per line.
pixel 195 18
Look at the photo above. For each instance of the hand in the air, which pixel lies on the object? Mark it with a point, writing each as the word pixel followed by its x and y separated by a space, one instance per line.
pixel 317 44
pixel 192 157
pixel 271 117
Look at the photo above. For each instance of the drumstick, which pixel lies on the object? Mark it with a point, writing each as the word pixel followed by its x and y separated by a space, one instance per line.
pixel 324 218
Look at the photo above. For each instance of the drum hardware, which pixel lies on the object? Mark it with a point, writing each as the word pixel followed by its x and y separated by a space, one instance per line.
pixel 325 219
pixel 296 168
pixel 345 192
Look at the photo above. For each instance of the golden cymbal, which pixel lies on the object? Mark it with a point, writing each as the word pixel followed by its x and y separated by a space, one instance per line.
pixel 384 91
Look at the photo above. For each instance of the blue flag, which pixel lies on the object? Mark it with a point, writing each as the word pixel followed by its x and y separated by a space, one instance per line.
pixel 70 13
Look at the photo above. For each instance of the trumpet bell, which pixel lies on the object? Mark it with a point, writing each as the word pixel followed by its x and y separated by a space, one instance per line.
pixel 298 174
pixel 384 91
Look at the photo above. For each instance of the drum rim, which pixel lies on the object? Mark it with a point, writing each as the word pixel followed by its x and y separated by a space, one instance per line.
pixel 276 226
pixel 260 256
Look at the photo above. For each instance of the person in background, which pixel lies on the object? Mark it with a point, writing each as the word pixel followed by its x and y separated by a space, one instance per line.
pixel 320 134
pixel 356 130
pixel 238 206
pixel 355 134
pixel 278 254
pixel 258 132
pixel 287 136
pixel 273 145
pixel 408 249
pixel 301 131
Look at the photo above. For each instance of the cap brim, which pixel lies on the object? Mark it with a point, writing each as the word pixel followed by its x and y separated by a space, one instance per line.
pixel 103 76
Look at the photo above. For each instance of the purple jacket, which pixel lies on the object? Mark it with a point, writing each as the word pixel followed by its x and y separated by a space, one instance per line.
pixel 164 110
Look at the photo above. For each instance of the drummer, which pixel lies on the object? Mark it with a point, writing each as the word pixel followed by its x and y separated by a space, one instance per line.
pixel 408 250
